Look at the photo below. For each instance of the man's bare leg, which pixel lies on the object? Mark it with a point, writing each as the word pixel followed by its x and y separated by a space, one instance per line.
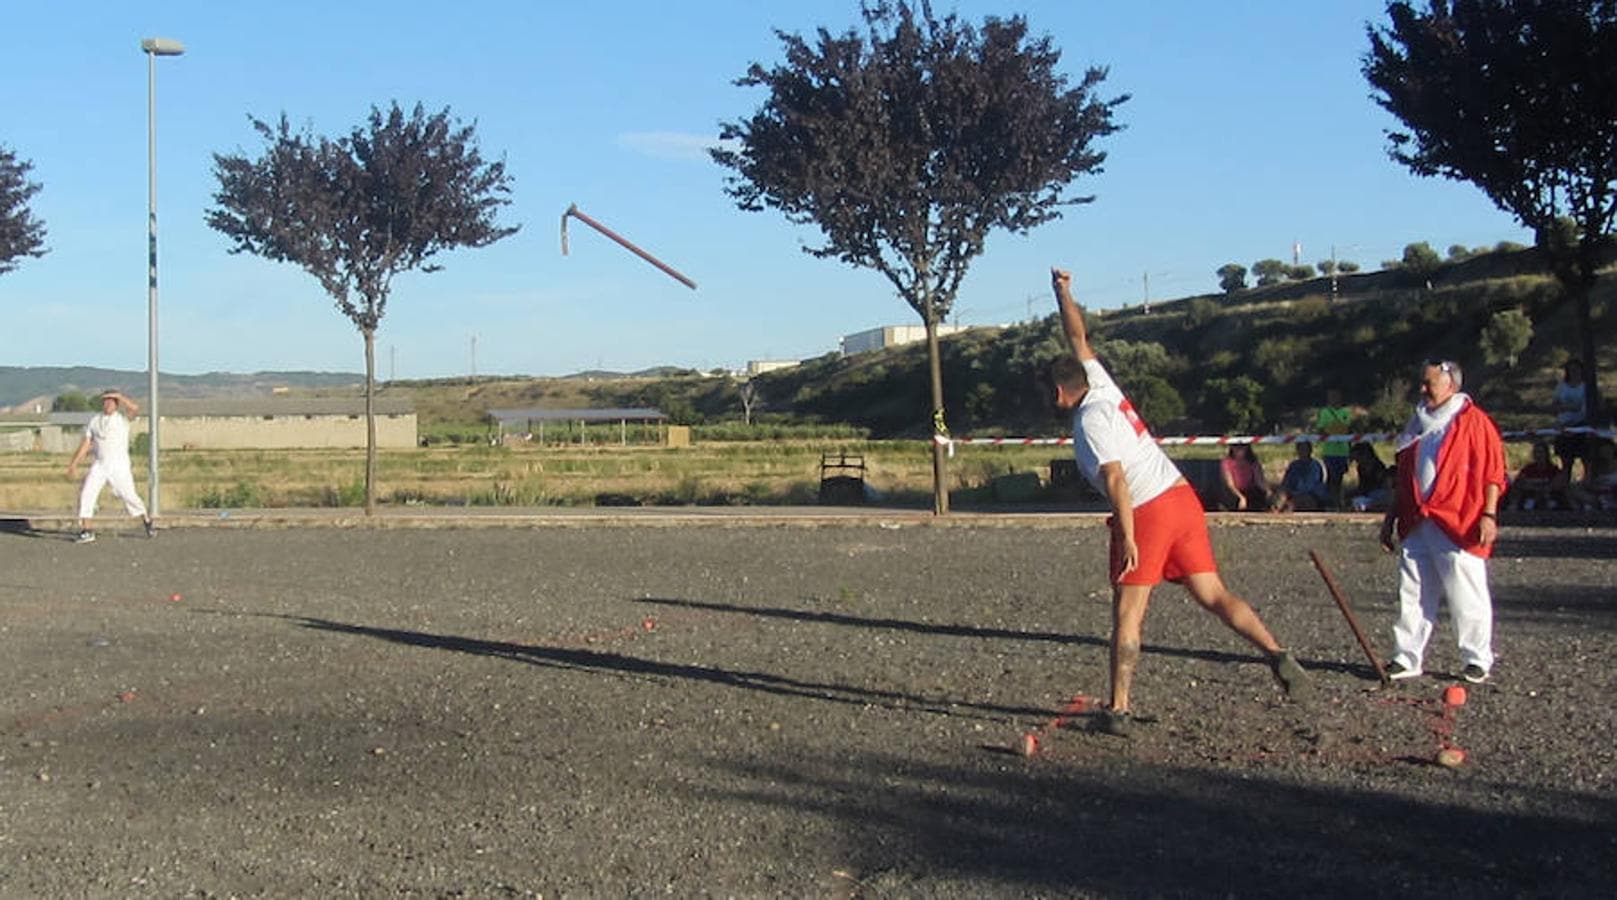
pixel 1208 590
pixel 1129 603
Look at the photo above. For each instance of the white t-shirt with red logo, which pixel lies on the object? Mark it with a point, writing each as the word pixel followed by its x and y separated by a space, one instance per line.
pixel 1105 428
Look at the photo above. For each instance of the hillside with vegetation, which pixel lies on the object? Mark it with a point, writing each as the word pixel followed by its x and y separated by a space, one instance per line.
pixel 1249 360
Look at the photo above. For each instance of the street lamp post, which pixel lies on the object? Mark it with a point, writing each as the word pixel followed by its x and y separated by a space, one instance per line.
pixel 153 48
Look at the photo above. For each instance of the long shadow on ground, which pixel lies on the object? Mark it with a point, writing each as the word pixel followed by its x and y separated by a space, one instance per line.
pixel 948 630
pixel 620 663
pixel 1145 829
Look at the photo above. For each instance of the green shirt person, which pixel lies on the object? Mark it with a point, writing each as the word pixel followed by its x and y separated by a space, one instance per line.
pixel 1334 418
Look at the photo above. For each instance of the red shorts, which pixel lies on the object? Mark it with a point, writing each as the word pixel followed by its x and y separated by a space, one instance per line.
pixel 1171 533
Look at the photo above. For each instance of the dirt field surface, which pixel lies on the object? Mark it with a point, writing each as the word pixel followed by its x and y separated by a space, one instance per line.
pixel 827 710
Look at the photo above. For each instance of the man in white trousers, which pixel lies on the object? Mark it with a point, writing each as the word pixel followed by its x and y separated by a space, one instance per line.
pixel 107 437
pixel 1451 472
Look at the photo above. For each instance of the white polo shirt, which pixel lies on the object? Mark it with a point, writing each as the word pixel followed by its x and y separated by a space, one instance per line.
pixel 1105 428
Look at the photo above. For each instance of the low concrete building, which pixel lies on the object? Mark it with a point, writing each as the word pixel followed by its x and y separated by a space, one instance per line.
pixel 275 423
pixel 891 336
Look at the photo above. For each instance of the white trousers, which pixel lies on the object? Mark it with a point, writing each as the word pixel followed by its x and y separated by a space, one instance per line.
pixel 122 481
pixel 1431 567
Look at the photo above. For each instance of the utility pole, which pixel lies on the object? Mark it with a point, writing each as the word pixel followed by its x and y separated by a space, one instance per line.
pixel 1145 305
pixel 1333 273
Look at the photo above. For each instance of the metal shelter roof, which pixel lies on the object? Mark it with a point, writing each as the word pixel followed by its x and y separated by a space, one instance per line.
pixel 639 413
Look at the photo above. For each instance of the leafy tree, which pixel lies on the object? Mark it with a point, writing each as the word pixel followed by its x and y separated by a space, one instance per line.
pixel 20 233
pixel 1459 253
pixel 1508 247
pixel 1299 273
pixel 907 144
pixel 1327 267
pixel 1270 271
pixel 1505 336
pixel 357 210
pixel 1156 399
pixel 1421 261
pixel 71 401
pixel 750 397
pixel 1129 360
pixel 1231 277
pixel 1346 266
pixel 1518 97
pixel 1198 312
pixel 1234 404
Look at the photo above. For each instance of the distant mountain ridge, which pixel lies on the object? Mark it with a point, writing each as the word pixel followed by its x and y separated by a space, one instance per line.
pixel 23 386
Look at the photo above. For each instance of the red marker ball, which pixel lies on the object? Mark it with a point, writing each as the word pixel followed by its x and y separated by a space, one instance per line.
pixel 1451 757
pixel 1454 695
pixel 174 598
pixel 649 624
pixel 1028 746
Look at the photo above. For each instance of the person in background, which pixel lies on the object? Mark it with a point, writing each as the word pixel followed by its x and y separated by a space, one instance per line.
pixel 1374 493
pixel 1302 488
pixel 1539 485
pixel 1571 400
pixel 1242 484
pixel 1598 488
pixel 107 438
pixel 1334 419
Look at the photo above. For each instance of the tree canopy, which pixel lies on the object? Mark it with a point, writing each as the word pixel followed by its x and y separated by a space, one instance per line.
pixel 357 210
pixel 908 143
pixel 1518 97
pixel 21 234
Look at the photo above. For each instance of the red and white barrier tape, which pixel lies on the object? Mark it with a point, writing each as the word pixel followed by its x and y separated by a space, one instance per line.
pixel 1220 440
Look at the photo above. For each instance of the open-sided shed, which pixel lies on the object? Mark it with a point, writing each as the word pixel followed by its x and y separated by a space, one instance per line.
pixel 524 421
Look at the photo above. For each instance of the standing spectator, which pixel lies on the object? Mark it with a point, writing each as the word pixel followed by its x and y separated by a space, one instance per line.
pixel 1333 419
pixel 1451 473
pixel 107 436
pixel 1571 400
pixel 1243 486
pixel 1375 479
pixel 1302 488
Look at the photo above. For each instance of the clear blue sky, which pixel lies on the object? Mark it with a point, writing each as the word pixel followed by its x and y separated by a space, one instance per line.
pixel 1250 129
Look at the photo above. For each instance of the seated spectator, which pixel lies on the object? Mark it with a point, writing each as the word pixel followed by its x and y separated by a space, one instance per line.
pixel 1598 489
pixel 1539 485
pixel 1375 488
pixel 1243 486
pixel 1303 488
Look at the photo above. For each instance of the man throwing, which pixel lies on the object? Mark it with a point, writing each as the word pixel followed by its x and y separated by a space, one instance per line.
pixel 1450 474
pixel 107 437
pixel 1159 531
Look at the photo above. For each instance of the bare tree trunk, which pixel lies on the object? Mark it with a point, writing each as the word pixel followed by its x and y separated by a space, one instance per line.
pixel 370 421
pixel 940 460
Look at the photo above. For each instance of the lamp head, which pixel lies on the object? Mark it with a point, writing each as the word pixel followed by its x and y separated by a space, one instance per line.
pixel 162 46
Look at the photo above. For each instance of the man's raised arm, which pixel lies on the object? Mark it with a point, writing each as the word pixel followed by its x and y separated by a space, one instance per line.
pixel 1072 318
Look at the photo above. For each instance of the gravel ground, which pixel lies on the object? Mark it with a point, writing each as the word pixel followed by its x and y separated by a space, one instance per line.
pixel 776 711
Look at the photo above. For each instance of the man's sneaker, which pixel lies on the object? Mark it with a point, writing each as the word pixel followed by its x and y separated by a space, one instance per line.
pixel 1291 676
pixel 1116 724
pixel 151 530
pixel 1397 672
pixel 85 536
pixel 1474 674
